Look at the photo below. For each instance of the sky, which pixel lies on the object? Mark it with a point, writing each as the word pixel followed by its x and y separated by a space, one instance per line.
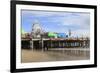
pixel 57 21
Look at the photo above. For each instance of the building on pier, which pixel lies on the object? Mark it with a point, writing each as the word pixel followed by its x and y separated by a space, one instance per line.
pixel 38 39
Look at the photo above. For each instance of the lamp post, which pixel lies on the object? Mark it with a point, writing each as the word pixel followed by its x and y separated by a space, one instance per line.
pixel 42 42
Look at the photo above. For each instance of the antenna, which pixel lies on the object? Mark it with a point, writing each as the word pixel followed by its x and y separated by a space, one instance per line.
pixel 70 32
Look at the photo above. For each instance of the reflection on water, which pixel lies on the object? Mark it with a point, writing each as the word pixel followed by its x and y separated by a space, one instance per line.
pixel 54 55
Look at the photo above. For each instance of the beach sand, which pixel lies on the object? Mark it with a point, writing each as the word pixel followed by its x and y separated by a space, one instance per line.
pixel 28 56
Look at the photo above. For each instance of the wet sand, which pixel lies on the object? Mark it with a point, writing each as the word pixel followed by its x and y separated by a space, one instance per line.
pixel 45 56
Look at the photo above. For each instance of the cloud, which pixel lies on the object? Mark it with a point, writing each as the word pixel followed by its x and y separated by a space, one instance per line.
pixel 81 33
pixel 39 13
pixel 78 22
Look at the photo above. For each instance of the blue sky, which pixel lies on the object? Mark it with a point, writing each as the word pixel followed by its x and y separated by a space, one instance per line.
pixel 60 22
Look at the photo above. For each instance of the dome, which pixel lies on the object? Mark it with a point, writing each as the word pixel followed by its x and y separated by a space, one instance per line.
pixel 36 29
pixel 22 31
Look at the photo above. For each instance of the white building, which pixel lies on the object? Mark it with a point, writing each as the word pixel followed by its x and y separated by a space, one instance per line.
pixel 36 30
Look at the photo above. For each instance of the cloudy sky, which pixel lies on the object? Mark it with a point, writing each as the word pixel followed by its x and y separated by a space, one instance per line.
pixel 61 22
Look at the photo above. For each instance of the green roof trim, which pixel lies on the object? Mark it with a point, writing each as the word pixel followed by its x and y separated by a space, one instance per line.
pixel 52 34
pixel 22 31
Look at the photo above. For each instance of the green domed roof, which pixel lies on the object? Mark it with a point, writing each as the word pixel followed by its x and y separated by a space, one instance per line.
pixel 51 34
pixel 22 31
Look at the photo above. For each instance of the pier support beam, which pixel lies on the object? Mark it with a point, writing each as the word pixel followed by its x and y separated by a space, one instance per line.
pixel 31 44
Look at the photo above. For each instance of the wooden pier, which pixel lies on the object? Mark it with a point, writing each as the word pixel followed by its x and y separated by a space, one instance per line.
pixel 55 43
